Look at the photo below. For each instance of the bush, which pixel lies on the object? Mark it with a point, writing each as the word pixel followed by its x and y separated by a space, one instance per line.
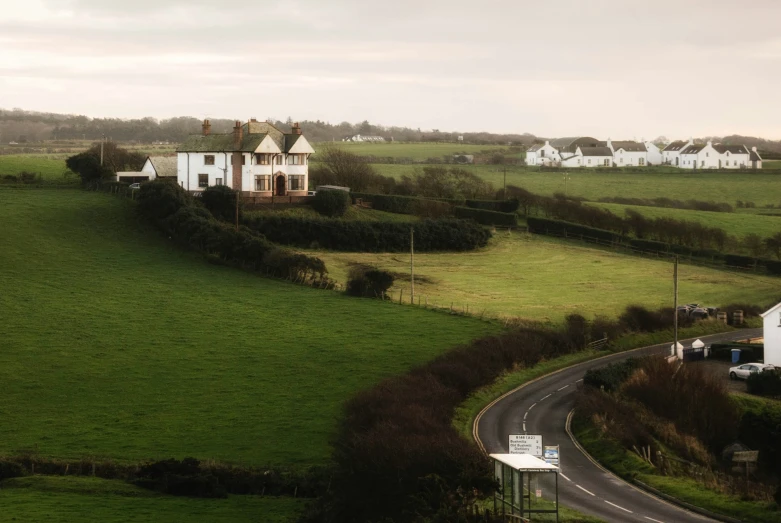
pixel 10 469
pixel 332 203
pixel 766 383
pixel 389 203
pixel 368 282
pixel 743 262
pixel 612 376
pixel 221 202
pixel 566 229
pixel 485 217
pixel 180 478
pixel 494 205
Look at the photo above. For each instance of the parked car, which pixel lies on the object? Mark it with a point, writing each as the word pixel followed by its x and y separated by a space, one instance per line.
pixel 742 372
pixel 135 185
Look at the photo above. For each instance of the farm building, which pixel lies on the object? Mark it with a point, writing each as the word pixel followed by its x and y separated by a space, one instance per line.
pixel 772 333
pixel 154 167
pixel 256 158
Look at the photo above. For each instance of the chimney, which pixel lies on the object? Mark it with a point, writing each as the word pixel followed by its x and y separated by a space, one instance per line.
pixel 710 143
pixel 296 128
pixel 253 120
pixel 238 135
pixel 207 128
pixel 754 148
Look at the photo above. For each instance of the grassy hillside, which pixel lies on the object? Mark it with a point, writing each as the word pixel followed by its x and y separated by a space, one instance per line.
pixel 546 279
pixel 118 344
pixel 49 167
pixel 738 224
pixel 416 151
pixel 74 499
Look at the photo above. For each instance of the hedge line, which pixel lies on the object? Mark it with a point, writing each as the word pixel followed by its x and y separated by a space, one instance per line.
pixel 408 204
pixel 486 217
pixel 359 236
pixel 573 230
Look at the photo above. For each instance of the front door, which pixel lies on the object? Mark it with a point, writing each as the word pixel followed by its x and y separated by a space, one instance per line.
pixel 280 185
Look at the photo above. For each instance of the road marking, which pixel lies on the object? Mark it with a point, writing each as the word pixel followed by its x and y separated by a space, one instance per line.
pixel 546 397
pixel 584 490
pixel 622 508
pixel 525 414
pixel 524 427
pixel 581 379
pixel 652 519
pixel 530 408
pixel 565 477
pixel 564 387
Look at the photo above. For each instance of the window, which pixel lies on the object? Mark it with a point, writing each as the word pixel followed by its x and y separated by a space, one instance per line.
pixel 262 183
pixel 218 181
pixel 578 161
pixel 208 159
pixel 295 182
pixel 203 180
pixel 263 159
pixel 589 161
pixel 641 161
pixel 707 155
pixel 620 160
pixel 607 162
pixel 296 159
pixel 243 159
pixel 280 160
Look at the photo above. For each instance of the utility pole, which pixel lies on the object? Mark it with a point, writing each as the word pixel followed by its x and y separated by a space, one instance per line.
pixel 504 188
pixel 102 141
pixel 675 305
pixel 412 265
pixel 566 179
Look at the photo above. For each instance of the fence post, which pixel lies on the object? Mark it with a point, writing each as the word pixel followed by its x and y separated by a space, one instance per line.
pixel 401 294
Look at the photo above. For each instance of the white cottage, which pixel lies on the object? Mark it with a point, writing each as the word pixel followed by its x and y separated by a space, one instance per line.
pixel 561 151
pixel 628 153
pixel 772 332
pixel 671 154
pixel 700 156
pixel 256 158
pixel 653 154
pixel 733 156
pixel 755 159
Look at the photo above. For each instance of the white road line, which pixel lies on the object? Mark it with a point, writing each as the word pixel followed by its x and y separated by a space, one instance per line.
pixel 530 408
pixel 652 519
pixel 584 490
pixel 524 427
pixel 525 414
pixel 564 387
pixel 622 508
pixel 581 379
pixel 565 477
pixel 546 397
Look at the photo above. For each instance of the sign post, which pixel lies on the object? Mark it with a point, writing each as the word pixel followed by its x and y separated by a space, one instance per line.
pixel 551 455
pixel 526 444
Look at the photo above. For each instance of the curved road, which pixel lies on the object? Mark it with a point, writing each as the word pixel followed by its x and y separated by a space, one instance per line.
pixel 542 406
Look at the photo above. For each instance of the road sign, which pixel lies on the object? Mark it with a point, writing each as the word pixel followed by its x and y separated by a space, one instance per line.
pixel 551 455
pixel 538 492
pixel 748 456
pixel 526 444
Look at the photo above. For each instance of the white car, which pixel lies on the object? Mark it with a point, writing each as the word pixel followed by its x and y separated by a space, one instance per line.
pixel 742 372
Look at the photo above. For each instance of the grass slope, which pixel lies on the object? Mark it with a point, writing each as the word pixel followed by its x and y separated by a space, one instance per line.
pixel 118 344
pixel 738 224
pixel 74 499
pixel 49 167
pixel 546 279
pixel 416 151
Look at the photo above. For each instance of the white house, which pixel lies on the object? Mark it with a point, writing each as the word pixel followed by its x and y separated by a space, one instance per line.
pixel 700 156
pixel 733 156
pixel 653 154
pixel 256 158
pixel 672 152
pixel 588 157
pixel 628 153
pixel 755 159
pixel 154 167
pixel 561 151
pixel 772 332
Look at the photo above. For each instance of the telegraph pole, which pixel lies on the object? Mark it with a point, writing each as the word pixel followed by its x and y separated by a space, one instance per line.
pixel 412 265
pixel 102 141
pixel 675 304
pixel 504 188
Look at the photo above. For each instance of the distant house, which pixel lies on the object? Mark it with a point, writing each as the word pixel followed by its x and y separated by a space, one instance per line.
pixel 359 138
pixel 561 151
pixel 256 158
pixel 718 156
pixel 654 154
pixel 628 153
pixel 672 152
pixel 463 158
pixel 733 156
pixel 755 159
pixel 771 322
pixel 160 167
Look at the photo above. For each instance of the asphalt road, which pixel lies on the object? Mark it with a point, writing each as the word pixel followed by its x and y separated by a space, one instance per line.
pixel 541 407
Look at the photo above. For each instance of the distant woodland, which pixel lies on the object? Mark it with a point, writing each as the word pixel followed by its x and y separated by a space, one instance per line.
pixel 30 126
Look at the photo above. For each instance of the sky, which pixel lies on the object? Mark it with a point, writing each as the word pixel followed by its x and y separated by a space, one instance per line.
pixel 620 69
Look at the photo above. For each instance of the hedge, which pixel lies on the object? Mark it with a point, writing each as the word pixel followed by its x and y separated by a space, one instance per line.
pixel 360 236
pixel 748 352
pixel 560 228
pixel 486 217
pixel 407 204
pixel 494 205
pixel 745 262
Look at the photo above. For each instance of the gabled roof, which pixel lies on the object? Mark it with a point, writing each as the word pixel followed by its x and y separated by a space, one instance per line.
pixel 573 142
pixel 675 146
pixel 596 151
pixel 694 149
pixel 629 146
pixel 755 157
pixel 771 310
pixel 165 166
pixel 215 143
pixel 733 149
pixel 535 147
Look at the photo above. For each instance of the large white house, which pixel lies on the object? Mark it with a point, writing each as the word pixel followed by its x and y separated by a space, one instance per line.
pixel 256 158
pixel 628 153
pixel 772 332
pixel 718 156
pixel 671 154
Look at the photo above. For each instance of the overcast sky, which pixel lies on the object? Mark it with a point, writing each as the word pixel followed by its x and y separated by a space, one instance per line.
pixel 622 69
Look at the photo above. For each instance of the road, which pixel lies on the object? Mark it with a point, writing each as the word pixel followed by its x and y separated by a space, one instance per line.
pixel 541 407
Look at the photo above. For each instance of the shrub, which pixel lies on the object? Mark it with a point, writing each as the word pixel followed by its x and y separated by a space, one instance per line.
pixel 10 469
pixel 389 203
pixel 494 205
pixel 332 203
pixel 612 376
pixel 368 282
pixel 485 217
pixel 766 383
pixel 566 229
pixel 180 478
pixel 743 262
pixel 221 202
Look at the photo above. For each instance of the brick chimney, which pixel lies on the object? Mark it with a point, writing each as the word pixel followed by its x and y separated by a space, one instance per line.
pixel 238 135
pixel 207 128
pixel 296 128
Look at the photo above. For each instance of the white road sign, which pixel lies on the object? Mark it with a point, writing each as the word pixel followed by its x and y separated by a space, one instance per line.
pixel 551 455
pixel 526 444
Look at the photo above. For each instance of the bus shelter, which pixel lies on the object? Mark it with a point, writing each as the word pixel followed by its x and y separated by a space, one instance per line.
pixel 527 486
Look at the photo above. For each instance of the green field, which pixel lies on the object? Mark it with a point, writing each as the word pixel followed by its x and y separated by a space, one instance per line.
pixel 50 167
pixel 118 344
pixel 415 151
pixel 771 164
pixel 738 224
pixel 80 499
pixel 715 186
pixel 522 275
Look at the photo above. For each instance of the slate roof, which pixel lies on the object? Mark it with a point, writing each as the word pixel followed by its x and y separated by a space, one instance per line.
pixel 675 146
pixel 754 156
pixel 535 147
pixel 571 143
pixel 694 149
pixel 198 143
pixel 563 142
pixel 596 151
pixel 290 140
pixel 733 149
pixel 629 146
pixel 165 166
